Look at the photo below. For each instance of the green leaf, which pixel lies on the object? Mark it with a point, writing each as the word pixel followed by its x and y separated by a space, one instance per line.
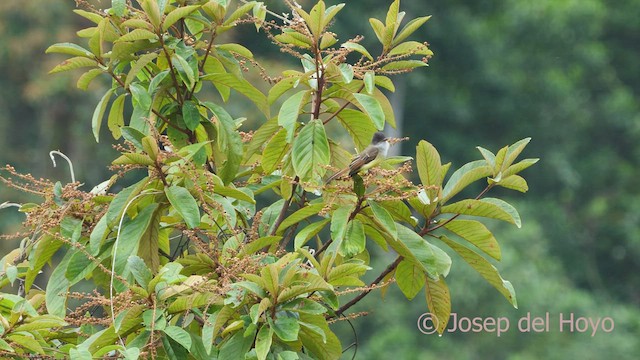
pixel 152 11
pixel 379 29
pixel 86 78
pixel 513 151
pixel 190 114
pixel 354 239
pixel 288 115
pixel 138 34
pixel 513 182
pixel 115 121
pixel 139 270
pixel 464 176
pixel 263 341
pixel 346 70
pixel 26 342
pixel 93 17
pixel 403 65
pixel 369 81
pixel 132 233
pixel 185 204
pixel 417 250
pixel 287 328
pixel 382 216
pixel 488 207
pixel 118 7
pixel 410 278
pixel 274 152
pixel 372 107
pixel 318 339
pixel 281 87
pixel 476 233
pixel 184 70
pixel 98 113
pixel 43 251
pixel 518 167
pixel 140 64
pixel 411 48
pixel 177 14
pixel 485 269
pixel 179 335
pixel 308 232
pixel 310 152
pixel 429 164
pixel 132 135
pixel 339 222
pixel 296 217
pixel 229 143
pixel 243 87
pixel 410 28
pixel 438 301
pixel 58 288
pixel 69 49
pixel 73 63
pixel 358 125
pixel 253 247
pixel 357 47
pixel 236 49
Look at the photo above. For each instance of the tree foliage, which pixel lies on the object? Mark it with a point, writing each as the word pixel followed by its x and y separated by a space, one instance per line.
pixel 188 261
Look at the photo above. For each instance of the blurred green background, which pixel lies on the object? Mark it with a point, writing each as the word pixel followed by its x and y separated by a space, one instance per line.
pixel 564 72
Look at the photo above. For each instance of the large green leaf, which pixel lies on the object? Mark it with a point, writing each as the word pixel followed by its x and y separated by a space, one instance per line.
pixel 439 302
pixel 318 339
pixel 488 207
pixel 310 153
pixel 410 278
pixel 263 341
pixel 191 114
pixel 476 233
pixel 69 49
pixel 58 288
pixel 417 250
pixel 383 217
pixel 308 232
pixel 243 87
pixel 464 176
pixel 73 63
pixel 98 113
pixel 358 125
pixel 275 150
pixel 130 236
pixel 179 335
pixel 229 142
pixel 176 15
pixel 371 106
pixel 296 217
pixel 485 269
pixel 288 115
pixel 115 121
pixel 354 241
pixel 429 164
pixel 185 204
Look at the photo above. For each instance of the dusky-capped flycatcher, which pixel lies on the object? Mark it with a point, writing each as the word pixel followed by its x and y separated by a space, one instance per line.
pixel 371 156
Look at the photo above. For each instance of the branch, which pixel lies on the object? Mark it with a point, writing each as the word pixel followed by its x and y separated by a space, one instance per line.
pixel 285 207
pixel 369 288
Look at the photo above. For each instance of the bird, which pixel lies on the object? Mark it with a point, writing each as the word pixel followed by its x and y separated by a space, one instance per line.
pixel 371 156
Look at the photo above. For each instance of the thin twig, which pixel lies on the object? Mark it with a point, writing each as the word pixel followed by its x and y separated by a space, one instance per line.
pixel 370 288
pixel 53 160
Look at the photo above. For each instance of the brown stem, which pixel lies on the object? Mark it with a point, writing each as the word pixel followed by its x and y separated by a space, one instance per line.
pixel 285 207
pixel 369 288
pixel 341 108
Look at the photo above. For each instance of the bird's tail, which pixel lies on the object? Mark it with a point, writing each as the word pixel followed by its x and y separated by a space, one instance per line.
pixel 337 175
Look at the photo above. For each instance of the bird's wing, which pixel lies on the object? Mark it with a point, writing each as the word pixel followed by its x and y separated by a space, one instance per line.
pixel 361 160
